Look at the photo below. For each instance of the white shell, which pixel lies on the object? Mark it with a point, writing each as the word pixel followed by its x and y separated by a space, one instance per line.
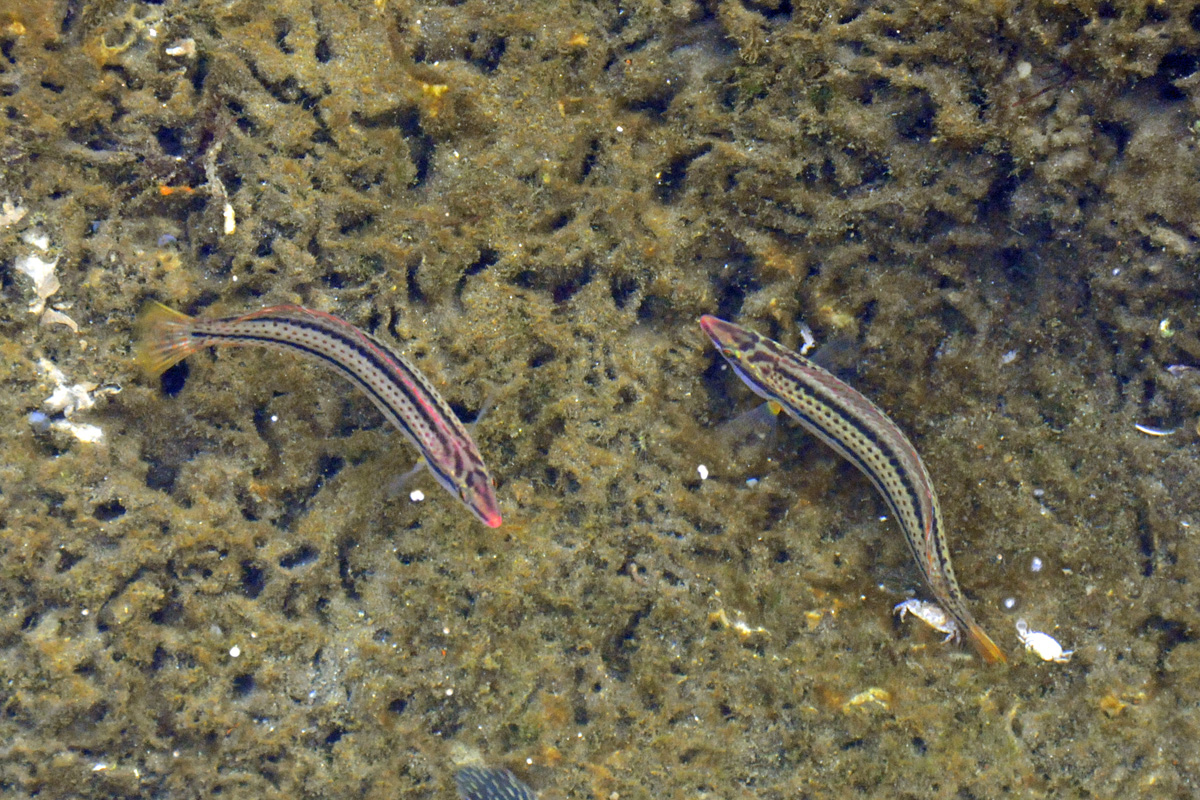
pixel 1045 646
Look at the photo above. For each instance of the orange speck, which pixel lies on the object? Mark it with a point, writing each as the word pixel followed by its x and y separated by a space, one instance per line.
pixel 829 697
pixel 434 90
pixel 261 491
pixel 1112 705
pixel 433 96
pixel 556 711
pixel 166 191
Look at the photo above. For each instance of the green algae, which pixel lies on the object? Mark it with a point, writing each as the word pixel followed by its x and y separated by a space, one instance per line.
pixel 538 203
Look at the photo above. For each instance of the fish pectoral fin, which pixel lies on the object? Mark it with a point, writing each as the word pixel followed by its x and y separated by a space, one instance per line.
pixel 400 481
pixel 753 430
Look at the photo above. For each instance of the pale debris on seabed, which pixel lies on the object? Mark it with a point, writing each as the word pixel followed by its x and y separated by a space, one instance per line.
pixel 10 214
pixel 873 699
pixel 64 398
pixel 83 431
pixel 181 48
pixel 1149 431
pixel 738 624
pixel 37 237
pixel 41 272
pixel 810 341
pixel 53 316
pixel 68 400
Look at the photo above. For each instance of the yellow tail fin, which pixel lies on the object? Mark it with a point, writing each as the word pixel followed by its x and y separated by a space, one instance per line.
pixel 984 645
pixel 163 339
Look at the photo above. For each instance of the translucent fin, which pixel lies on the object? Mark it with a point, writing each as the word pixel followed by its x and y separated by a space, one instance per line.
pixel 163 339
pixel 489 402
pixel 752 434
pixel 400 481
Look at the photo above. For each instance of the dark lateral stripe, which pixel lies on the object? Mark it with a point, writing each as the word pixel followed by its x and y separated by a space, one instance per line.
pixel 837 441
pixel 353 343
pixel 866 437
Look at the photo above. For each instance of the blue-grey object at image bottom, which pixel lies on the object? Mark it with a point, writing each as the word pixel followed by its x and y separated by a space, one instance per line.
pixel 491 783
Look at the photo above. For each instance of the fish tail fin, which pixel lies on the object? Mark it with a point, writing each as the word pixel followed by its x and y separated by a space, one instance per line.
pixel 988 650
pixel 163 339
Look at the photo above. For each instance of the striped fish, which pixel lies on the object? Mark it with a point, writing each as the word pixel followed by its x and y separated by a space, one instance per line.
pixel 866 437
pixel 490 783
pixel 405 396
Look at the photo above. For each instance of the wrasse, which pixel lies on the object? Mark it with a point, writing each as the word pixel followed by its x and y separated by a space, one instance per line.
pixel 405 396
pixel 490 783
pixel 866 437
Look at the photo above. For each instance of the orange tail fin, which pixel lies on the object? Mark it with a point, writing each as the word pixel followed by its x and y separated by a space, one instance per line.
pixel 988 650
pixel 163 339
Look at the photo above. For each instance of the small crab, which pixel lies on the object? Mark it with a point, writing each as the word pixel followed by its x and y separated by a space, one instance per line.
pixel 1044 645
pixel 932 615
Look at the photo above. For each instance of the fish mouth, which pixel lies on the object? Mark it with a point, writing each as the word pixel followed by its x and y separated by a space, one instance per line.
pixel 725 335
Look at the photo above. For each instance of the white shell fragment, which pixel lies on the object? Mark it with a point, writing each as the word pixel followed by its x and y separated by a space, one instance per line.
pixel 810 341
pixel 53 317
pixel 84 432
pixel 1045 646
pixel 36 237
pixel 10 213
pixel 932 615
pixel 738 624
pixel 68 400
pixel 41 272
pixel 65 399
pixel 1146 429
pixel 181 48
